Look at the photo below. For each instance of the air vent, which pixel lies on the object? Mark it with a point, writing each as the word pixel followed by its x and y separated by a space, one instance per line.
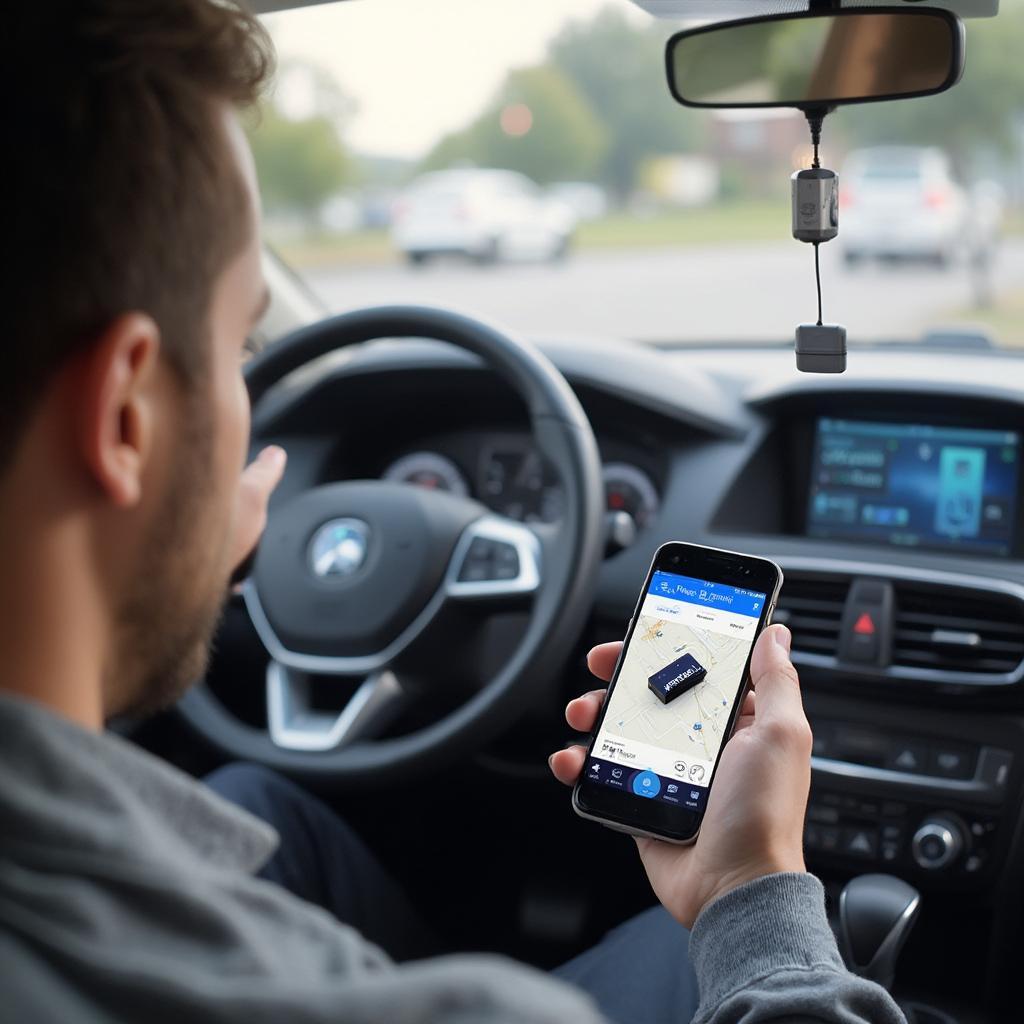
pixel 950 630
pixel 812 607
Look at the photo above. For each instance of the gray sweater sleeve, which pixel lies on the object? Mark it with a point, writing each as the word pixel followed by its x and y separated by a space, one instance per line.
pixel 765 952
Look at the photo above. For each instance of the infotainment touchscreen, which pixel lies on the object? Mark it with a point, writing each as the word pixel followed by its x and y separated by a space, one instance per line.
pixel 928 486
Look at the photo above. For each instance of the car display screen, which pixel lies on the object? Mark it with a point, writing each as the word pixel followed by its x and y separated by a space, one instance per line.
pixel 916 485
pixel 671 703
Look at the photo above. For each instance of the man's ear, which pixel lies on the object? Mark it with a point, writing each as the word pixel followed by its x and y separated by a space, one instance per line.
pixel 115 392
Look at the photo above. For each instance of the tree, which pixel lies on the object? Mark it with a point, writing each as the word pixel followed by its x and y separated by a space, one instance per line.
pixel 301 163
pixel 297 146
pixel 976 119
pixel 620 70
pixel 538 124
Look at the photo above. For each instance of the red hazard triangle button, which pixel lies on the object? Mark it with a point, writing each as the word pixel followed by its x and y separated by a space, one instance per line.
pixel 865 625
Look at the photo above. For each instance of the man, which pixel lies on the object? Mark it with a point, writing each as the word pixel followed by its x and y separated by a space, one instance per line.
pixel 129 891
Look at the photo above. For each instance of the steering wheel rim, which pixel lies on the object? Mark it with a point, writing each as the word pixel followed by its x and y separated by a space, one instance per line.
pixel 570 555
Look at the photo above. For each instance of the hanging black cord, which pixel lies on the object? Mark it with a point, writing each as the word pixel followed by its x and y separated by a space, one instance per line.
pixel 817 278
pixel 815 122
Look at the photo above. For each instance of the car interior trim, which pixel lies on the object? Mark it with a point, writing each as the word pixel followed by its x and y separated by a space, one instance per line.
pixel 293 723
pixel 855 570
pixel 988 784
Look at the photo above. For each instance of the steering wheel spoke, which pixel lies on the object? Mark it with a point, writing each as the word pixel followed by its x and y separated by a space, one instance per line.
pixel 295 724
pixel 495 559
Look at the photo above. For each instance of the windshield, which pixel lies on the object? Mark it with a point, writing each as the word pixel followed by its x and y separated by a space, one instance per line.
pixel 525 162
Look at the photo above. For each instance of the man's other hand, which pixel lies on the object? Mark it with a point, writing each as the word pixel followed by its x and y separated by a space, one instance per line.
pixel 255 486
pixel 755 813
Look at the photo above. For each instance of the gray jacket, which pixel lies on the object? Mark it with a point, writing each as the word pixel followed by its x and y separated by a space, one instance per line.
pixel 127 894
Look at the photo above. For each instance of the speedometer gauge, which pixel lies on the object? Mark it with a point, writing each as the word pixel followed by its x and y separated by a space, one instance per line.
pixel 630 490
pixel 428 469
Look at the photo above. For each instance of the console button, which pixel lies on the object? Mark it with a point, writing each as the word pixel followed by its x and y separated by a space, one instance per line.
pixel 994 767
pixel 829 838
pixel 825 815
pixel 862 642
pixel 907 756
pixel 866 627
pixel 951 761
pixel 860 842
pixel 861 746
pixel 938 842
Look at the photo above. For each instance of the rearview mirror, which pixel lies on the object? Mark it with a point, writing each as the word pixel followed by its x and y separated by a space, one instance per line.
pixel 817 60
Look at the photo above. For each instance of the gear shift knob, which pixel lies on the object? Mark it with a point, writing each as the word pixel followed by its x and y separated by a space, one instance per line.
pixel 876 913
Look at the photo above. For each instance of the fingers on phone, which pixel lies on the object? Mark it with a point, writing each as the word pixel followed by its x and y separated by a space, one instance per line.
pixel 582 712
pixel 567 764
pixel 601 659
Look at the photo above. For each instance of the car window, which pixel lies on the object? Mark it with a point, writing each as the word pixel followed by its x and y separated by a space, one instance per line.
pixel 657 223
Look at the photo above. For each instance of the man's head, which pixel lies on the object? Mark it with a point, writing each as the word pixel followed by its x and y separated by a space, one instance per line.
pixel 133 217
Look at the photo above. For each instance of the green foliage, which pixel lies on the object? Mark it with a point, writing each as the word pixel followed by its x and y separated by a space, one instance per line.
pixel 565 140
pixel 601 109
pixel 301 162
pixel 621 72
pixel 974 119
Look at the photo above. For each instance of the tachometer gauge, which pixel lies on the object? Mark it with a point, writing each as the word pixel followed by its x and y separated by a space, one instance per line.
pixel 516 483
pixel 428 469
pixel 630 490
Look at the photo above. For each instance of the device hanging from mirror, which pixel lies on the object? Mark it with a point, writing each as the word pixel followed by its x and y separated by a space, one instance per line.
pixel 820 347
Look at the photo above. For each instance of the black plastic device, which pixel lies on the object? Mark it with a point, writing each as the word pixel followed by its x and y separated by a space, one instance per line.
pixel 821 348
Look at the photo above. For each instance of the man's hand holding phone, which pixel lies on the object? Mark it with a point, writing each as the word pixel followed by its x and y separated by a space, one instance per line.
pixel 755 814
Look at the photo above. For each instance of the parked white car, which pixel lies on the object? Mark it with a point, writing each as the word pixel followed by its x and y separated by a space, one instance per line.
pixel 587 200
pixel 486 215
pixel 903 202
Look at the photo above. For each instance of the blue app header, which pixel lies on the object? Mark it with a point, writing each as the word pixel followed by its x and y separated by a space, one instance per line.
pixel 708 594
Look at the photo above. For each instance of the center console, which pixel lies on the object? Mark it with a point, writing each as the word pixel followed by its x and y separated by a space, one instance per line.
pixel 897 520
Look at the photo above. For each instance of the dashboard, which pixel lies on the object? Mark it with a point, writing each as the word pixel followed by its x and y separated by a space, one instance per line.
pixel 506 473
pixel 891 497
pixel 908 484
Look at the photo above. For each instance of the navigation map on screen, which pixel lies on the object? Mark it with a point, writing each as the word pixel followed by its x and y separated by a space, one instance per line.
pixel 669 710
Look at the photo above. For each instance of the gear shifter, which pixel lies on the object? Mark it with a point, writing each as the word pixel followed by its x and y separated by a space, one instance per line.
pixel 876 913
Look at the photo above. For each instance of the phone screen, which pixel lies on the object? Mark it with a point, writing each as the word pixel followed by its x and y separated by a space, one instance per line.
pixel 671 704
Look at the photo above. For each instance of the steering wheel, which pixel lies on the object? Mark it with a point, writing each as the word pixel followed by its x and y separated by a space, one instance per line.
pixel 377 580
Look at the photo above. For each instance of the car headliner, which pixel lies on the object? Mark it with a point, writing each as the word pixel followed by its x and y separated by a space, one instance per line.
pixel 721 9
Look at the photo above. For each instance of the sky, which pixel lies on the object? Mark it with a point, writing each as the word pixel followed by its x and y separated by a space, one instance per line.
pixel 418 69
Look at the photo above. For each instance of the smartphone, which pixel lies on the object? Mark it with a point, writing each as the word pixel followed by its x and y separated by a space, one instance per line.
pixel 676 692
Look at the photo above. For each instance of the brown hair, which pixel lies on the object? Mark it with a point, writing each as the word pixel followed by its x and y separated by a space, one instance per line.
pixel 121 193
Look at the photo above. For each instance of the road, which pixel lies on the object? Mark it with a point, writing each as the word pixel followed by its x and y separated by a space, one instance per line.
pixel 753 292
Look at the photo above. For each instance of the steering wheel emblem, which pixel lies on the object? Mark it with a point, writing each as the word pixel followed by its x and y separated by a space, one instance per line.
pixel 338 548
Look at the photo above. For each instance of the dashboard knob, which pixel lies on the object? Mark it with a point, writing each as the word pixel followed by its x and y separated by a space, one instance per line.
pixel 938 842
